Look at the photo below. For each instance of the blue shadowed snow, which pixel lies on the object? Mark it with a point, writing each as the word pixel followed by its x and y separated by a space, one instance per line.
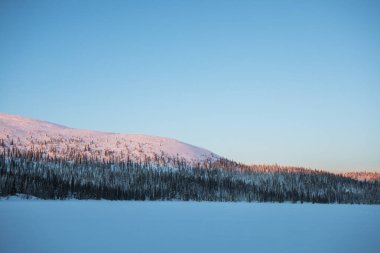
pixel 106 226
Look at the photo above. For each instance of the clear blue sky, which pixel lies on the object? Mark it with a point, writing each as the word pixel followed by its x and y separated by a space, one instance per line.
pixel 288 82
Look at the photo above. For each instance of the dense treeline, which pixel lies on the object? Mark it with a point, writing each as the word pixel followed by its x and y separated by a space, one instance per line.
pixel 45 177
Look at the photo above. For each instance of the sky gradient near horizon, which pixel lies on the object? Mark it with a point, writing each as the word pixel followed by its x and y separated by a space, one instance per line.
pixel 287 82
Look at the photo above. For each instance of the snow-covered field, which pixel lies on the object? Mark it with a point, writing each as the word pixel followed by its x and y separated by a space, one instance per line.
pixel 106 226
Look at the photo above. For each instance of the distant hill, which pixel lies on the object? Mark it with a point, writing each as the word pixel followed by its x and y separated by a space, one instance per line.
pixel 63 142
pixel 50 161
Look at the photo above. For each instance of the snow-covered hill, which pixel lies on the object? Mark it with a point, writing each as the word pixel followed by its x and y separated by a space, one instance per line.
pixel 53 140
pixel 63 142
pixel 363 175
pixel 50 161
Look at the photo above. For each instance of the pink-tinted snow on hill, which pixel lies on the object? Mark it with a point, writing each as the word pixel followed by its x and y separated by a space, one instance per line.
pixel 63 142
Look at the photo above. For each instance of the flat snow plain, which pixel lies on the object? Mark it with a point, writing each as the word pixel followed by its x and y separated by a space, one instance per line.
pixel 128 226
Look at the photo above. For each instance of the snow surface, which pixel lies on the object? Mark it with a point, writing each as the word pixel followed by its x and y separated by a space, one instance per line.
pixel 117 226
pixel 53 139
pixel 18 197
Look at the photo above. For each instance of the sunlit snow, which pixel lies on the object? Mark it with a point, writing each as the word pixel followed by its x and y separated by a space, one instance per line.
pixel 56 140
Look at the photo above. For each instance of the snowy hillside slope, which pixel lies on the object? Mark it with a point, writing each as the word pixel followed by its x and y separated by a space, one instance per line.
pixel 69 143
pixel 50 161
pixel 363 175
pixel 57 141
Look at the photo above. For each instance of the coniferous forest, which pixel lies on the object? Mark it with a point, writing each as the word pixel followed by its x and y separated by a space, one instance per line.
pixel 33 173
